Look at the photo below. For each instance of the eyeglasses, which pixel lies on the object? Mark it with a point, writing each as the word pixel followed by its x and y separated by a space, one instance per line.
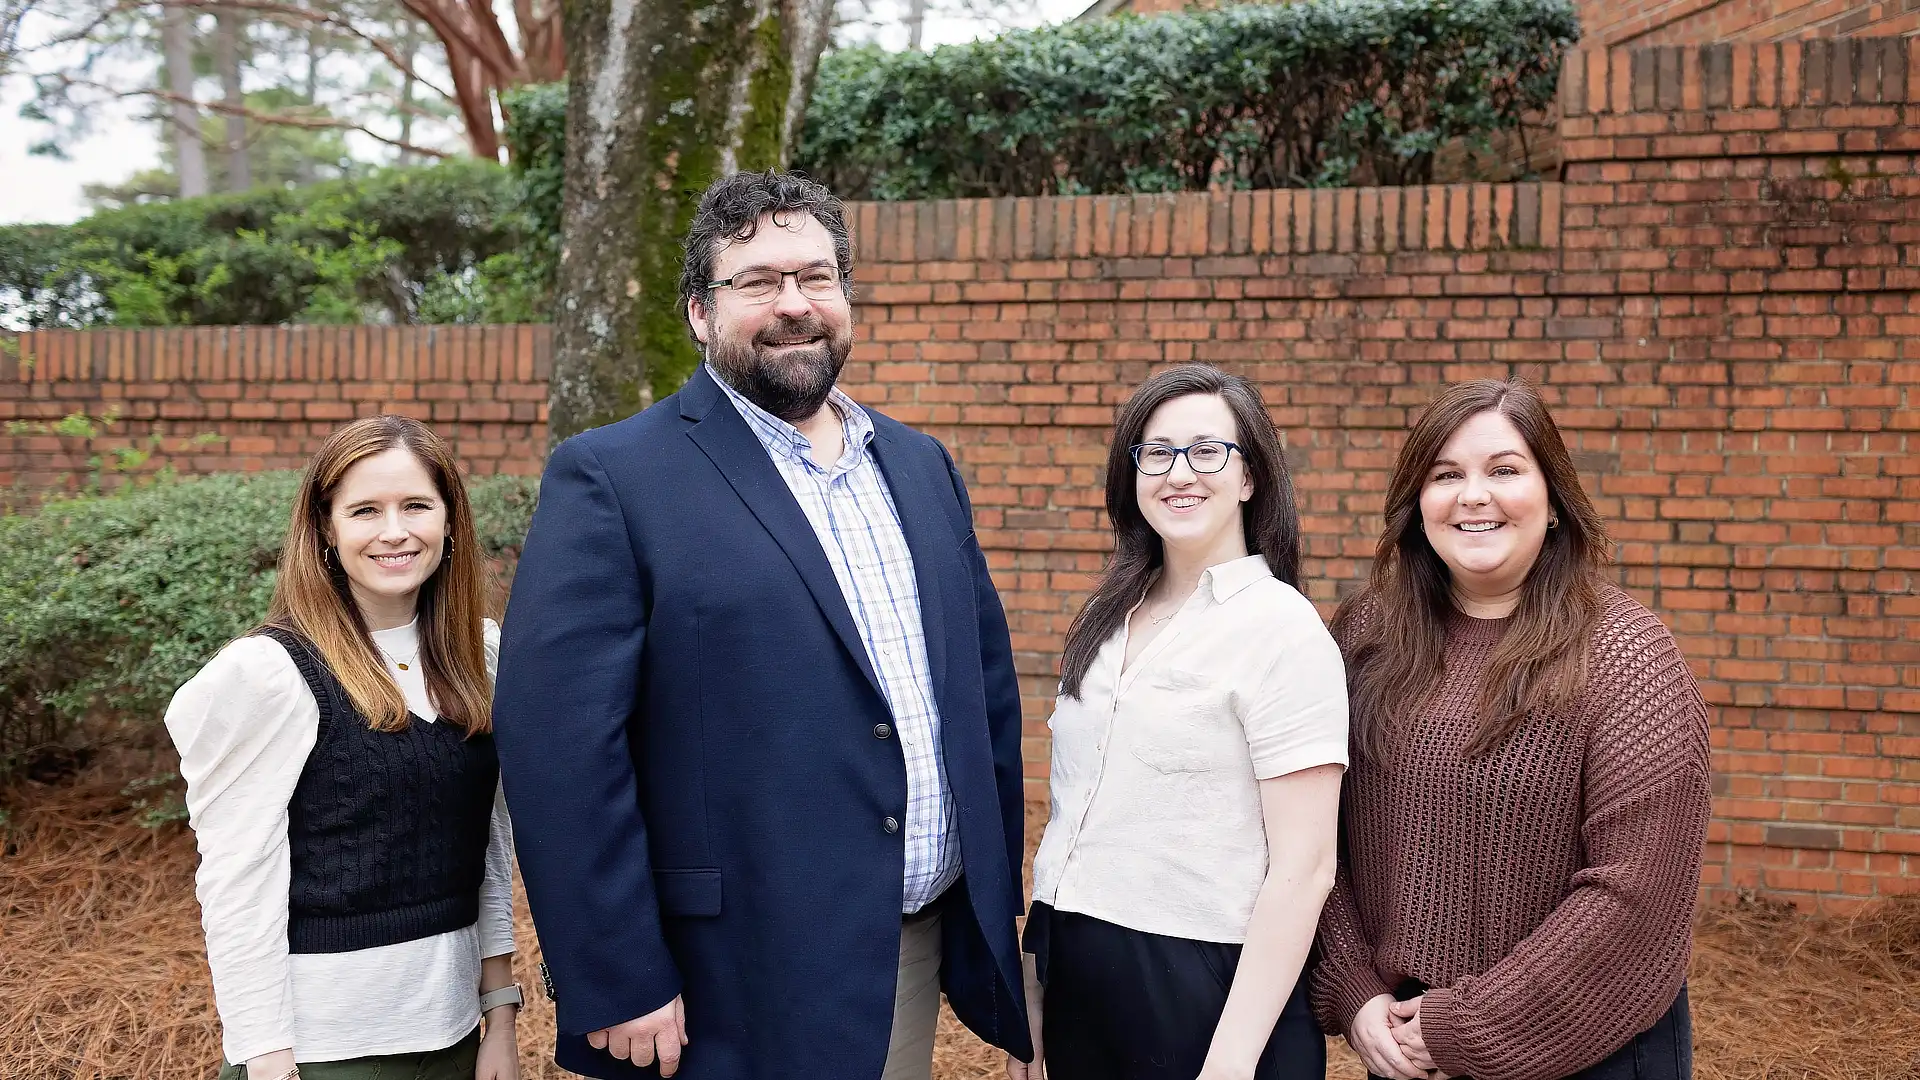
pixel 761 286
pixel 1205 456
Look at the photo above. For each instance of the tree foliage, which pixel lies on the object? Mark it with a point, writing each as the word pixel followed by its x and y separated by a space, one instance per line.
pixel 1311 93
pixel 371 249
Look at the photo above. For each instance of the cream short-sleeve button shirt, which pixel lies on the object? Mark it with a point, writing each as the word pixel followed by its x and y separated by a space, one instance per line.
pixel 1156 819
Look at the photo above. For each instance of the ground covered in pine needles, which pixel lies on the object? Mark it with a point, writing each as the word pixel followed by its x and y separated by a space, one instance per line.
pixel 105 977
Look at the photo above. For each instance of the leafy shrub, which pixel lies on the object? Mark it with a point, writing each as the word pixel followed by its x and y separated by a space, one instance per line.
pixel 1261 95
pixel 1311 93
pixel 109 602
pixel 358 250
pixel 515 286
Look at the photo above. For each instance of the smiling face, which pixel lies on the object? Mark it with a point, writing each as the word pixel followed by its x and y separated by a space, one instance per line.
pixel 1485 509
pixel 387 524
pixel 785 353
pixel 1196 514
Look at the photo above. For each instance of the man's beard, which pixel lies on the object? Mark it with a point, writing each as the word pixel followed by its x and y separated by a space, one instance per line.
pixel 792 386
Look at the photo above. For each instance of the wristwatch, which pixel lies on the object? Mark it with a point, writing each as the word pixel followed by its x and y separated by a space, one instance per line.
pixel 506 995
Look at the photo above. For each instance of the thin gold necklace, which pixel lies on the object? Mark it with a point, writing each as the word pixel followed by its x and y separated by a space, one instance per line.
pixel 403 665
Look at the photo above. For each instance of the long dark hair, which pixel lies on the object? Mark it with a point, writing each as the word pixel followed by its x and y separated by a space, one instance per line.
pixel 1270 519
pixel 1395 628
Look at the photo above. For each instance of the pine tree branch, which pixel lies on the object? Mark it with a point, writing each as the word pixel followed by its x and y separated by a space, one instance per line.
pixel 307 123
pixel 308 15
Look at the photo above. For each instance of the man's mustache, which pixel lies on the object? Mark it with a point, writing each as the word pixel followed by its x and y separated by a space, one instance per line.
pixel 787 329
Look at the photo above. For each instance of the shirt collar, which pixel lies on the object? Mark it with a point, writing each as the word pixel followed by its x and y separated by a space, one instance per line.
pixel 785 440
pixel 1228 578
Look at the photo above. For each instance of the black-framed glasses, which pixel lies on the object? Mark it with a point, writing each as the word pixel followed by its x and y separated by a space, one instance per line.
pixel 761 286
pixel 1205 456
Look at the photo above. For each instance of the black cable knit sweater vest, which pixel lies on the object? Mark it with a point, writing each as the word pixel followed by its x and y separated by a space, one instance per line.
pixel 387 829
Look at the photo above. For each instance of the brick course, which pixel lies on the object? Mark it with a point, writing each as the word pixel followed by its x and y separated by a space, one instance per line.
pixel 1721 301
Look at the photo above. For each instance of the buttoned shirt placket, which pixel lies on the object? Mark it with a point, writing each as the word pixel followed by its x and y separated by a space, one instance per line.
pixel 857 523
pixel 1124 678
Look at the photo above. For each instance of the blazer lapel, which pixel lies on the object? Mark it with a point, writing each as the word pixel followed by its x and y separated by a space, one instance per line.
pixel 929 540
pixel 723 435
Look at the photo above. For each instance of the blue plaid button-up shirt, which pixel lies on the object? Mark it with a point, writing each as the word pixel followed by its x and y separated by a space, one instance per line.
pixel 854 517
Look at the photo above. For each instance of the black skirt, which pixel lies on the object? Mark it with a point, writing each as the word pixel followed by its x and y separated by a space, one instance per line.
pixel 1123 1004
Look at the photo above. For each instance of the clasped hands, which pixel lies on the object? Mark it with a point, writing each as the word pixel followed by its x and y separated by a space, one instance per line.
pixel 1386 1035
pixel 659 1035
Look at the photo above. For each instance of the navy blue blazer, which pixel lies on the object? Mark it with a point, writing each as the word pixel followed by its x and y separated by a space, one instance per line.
pixel 686 721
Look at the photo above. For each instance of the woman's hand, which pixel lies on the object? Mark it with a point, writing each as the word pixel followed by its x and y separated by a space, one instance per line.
pixel 1372 1037
pixel 499 1048
pixel 1017 1069
pixel 1407 1034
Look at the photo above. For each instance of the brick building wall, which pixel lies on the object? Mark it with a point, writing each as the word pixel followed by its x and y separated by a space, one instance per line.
pixel 1675 22
pixel 1722 303
pixel 1608 23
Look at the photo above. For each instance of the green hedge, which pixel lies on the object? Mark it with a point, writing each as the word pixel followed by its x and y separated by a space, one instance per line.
pixel 109 602
pixel 376 248
pixel 1312 93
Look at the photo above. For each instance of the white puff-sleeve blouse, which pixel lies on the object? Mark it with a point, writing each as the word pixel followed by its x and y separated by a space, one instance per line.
pixel 244 727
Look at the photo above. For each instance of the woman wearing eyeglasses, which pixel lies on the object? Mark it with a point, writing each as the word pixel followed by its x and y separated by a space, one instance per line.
pixel 1198 743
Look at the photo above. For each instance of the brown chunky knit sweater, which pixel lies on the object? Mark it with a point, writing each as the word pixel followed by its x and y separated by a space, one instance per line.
pixel 1545 891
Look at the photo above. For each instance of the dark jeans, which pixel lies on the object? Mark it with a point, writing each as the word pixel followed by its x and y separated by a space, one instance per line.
pixel 1122 1004
pixel 1662 1052
pixel 456 1062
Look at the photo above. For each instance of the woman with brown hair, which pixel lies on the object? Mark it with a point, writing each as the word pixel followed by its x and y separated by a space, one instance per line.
pixel 355 864
pixel 1198 742
pixel 1523 823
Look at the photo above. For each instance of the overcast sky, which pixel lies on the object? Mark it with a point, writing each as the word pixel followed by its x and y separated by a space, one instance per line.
pixel 37 188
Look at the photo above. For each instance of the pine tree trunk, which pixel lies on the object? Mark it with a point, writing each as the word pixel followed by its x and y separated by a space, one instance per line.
pixel 410 49
pixel 308 167
pixel 228 28
pixel 916 23
pixel 663 97
pixel 189 155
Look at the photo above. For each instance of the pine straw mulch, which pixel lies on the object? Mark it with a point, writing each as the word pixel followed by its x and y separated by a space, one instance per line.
pixel 105 977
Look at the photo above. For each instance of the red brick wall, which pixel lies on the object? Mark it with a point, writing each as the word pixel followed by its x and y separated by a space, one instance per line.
pixel 1722 303
pixel 1607 23
pixel 271 393
pixel 1675 22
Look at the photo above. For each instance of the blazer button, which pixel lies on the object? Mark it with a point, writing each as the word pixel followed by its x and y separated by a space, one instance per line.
pixel 890 825
pixel 881 731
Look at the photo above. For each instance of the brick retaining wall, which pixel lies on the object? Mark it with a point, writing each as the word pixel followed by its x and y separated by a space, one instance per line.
pixel 1722 301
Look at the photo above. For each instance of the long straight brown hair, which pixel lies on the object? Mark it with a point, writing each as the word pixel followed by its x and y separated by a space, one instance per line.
pixel 1395 627
pixel 1269 519
pixel 311 596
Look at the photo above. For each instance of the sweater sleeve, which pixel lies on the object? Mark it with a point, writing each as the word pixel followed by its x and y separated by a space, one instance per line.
pixel 1609 960
pixel 1343 976
pixel 496 888
pixel 244 727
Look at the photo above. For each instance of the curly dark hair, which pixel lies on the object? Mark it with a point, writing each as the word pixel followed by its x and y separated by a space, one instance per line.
pixel 731 210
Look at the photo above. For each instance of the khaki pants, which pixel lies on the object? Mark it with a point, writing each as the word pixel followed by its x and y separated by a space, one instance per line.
pixel 916 1001
pixel 456 1062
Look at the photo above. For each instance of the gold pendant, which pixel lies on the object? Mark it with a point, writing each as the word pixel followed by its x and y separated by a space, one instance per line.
pixel 401 666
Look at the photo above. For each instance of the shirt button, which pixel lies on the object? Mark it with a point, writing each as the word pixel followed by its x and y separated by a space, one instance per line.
pixel 890 825
pixel 881 731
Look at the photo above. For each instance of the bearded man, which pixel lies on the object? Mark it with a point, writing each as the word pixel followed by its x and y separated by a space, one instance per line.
pixel 756 709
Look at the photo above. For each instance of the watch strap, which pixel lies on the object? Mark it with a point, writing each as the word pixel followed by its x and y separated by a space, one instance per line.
pixel 506 995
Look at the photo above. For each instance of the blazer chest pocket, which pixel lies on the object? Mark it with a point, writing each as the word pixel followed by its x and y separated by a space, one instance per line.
pixel 690 893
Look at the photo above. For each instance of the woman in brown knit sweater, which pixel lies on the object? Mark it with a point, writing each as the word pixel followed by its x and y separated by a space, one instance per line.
pixel 1523 821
